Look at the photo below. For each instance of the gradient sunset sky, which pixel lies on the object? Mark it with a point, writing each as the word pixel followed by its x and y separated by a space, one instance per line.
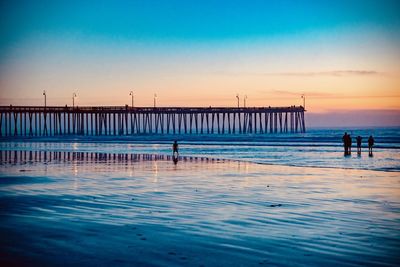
pixel 343 55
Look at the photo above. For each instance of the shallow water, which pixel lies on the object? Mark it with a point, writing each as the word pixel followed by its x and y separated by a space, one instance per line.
pixel 142 209
pixel 282 153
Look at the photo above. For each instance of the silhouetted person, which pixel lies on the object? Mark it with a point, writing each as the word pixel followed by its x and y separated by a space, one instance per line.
pixel 346 142
pixel 175 147
pixel 350 143
pixel 359 139
pixel 175 152
pixel 371 142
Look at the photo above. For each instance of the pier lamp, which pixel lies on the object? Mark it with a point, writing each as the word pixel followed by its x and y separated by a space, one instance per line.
pixel 304 101
pixel 237 96
pixel 131 94
pixel 155 97
pixel 244 100
pixel 44 93
pixel 73 99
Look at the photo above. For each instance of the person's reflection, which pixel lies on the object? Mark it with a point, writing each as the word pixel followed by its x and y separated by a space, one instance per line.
pixel 175 159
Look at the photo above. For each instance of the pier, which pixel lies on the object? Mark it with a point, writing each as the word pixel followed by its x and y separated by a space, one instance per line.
pixel 123 120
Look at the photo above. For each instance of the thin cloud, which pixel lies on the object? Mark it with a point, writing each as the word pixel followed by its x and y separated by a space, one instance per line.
pixel 359 111
pixel 307 93
pixel 285 94
pixel 335 73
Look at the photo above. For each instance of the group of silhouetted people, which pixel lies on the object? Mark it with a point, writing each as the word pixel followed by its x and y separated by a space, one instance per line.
pixel 347 142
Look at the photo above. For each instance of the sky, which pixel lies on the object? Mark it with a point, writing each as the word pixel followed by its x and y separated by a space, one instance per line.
pixel 343 55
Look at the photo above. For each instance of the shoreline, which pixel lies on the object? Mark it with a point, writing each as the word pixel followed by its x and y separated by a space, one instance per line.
pixel 95 157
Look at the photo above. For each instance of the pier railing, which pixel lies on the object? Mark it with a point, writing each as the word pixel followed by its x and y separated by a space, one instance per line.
pixel 124 120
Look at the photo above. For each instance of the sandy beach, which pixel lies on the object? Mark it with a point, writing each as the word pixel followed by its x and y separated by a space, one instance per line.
pixel 147 211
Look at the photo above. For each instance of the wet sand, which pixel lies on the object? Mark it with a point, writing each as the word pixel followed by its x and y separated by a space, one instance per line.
pixel 148 211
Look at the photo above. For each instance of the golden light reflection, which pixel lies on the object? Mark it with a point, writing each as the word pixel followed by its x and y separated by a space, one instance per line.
pixel 155 173
pixel 246 182
pixel 75 172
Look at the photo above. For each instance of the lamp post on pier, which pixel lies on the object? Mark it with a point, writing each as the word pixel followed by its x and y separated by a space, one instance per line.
pixel 304 101
pixel 244 100
pixel 237 96
pixel 44 93
pixel 131 94
pixel 73 100
pixel 155 97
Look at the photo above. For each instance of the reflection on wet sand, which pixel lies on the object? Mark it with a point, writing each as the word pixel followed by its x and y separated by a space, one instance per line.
pixel 23 156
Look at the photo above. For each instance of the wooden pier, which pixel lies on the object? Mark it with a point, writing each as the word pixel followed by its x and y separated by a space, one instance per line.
pixel 124 120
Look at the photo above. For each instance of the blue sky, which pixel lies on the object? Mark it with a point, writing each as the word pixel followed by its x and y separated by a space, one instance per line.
pixel 161 21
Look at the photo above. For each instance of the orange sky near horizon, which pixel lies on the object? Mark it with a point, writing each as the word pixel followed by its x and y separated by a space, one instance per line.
pixel 324 91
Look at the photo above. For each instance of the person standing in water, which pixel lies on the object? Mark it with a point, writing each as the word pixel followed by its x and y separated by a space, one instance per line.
pixel 175 148
pixel 345 140
pixel 350 140
pixel 371 142
pixel 359 139
pixel 175 153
